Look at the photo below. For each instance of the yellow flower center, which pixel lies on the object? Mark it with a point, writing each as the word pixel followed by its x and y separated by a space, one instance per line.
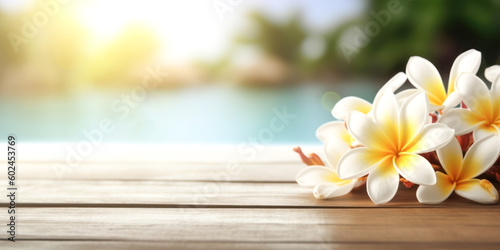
pixel 452 180
pixel 333 178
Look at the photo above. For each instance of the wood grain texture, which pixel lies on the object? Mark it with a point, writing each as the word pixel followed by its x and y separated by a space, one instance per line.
pixel 203 205
pixel 452 225
pixel 202 194
pixel 231 170
pixel 133 245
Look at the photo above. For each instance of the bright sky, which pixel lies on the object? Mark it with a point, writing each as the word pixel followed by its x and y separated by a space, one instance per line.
pixel 192 28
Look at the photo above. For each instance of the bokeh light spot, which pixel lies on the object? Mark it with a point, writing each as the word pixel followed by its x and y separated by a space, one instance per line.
pixel 329 99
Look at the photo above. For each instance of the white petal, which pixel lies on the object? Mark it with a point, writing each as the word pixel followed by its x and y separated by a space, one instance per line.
pixel 452 101
pixel 314 175
pixel 334 149
pixel 403 95
pixel 475 93
pixel 492 72
pixel 329 190
pixel 481 191
pixel 433 136
pixel 424 76
pixel 480 157
pixel 393 84
pixel 385 114
pixel 415 168
pixel 333 129
pixel 463 121
pixel 451 158
pixel 413 116
pixel 495 96
pixel 467 62
pixel 383 182
pixel 366 131
pixel 483 131
pixel 348 104
pixel 358 162
pixel 436 193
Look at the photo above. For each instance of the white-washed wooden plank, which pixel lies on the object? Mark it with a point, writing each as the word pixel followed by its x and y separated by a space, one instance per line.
pixel 445 225
pixel 133 245
pixel 203 194
pixel 230 171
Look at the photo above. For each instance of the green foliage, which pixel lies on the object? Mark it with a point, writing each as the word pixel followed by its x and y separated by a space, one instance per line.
pixel 280 39
pixel 436 30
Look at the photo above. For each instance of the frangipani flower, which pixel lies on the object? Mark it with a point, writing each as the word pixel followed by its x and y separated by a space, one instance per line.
pixel 351 103
pixel 483 113
pixel 348 104
pixel 460 173
pixel 492 72
pixel 393 138
pixel 334 129
pixel 324 179
pixel 424 76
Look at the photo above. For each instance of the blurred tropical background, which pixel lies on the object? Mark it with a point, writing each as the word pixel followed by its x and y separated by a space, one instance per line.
pixel 216 72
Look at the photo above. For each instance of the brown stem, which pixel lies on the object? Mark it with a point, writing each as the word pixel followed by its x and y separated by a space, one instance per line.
pixel 313 158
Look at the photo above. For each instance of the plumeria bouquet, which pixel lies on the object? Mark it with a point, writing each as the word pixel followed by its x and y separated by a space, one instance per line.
pixel 417 136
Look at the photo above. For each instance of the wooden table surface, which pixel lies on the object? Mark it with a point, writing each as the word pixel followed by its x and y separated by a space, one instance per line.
pixel 247 205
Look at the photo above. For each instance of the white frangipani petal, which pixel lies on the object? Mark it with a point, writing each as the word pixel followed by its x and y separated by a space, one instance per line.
pixel 393 84
pixel 415 168
pixel 463 121
pixel 333 129
pixel 403 95
pixel 437 193
pixel 314 175
pixel 452 101
pixel 475 94
pixel 424 76
pixel 467 62
pixel 330 190
pixel 358 162
pixel 483 131
pixel 451 159
pixel 383 182
pixel 364 130
pixel 484 106
pixel 495 96
pixel 348 104
pixel 385 114
pixel 432 137
pixel 481 191
pixel 413 116
pixel 480 157
pixel 491 73
pixel 334 149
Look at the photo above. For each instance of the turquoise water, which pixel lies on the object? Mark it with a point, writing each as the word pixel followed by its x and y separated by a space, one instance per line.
pixel 215 114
